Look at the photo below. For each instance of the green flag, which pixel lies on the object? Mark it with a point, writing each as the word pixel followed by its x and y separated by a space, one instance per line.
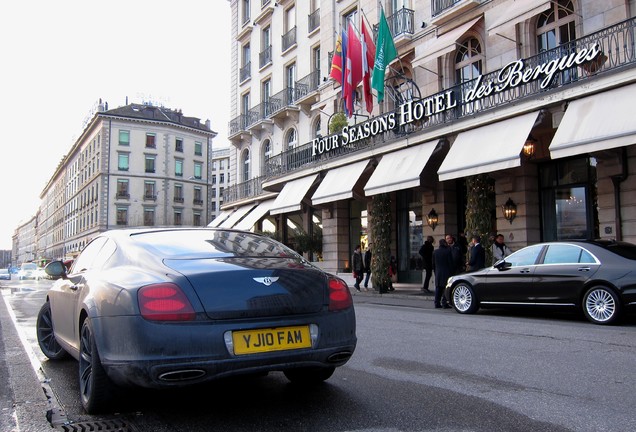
pixel 385 53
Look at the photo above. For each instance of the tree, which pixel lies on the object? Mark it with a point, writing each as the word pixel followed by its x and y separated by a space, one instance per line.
pixel 480 201
pixel 380 229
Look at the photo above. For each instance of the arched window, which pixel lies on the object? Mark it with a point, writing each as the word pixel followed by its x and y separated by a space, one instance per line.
pixel 246 165
pixel 292 138
pixel 266 151
pixel 468 60
pixel 556 26
pixel 317 127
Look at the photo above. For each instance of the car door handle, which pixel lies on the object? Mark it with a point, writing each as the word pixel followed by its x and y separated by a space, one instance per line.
pixel 525 271
pixel 74 287
pixel 584 269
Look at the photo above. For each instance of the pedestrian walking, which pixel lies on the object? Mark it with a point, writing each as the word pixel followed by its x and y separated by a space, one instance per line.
pixel 499 249
pixel 477 259
pixel 444 267
pixel 426 252
pixel 367 266
pixel 357 266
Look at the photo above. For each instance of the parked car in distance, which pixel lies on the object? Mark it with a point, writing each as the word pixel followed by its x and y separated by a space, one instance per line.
pixel 27 271
pixel 40 273
pixel 596 277
pixel 4 274
pixel 164 308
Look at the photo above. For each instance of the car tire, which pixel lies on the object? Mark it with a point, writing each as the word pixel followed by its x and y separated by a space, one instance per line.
pixel 601 305
pixel 464 299
pixel 311 375
pixel 96 389
pixel 46 337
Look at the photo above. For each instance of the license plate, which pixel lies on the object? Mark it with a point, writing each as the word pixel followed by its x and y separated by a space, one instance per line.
pixel 272 339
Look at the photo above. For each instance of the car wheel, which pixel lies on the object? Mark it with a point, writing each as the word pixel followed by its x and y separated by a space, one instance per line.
pixel 46 338
pixel 95 386
pixel 309 375
pixel 464 299
pixel 601 305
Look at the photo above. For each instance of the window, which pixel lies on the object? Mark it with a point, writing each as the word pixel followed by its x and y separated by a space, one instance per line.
pixel 221 178
pixel 198 170
pixel 149 190
pixel 122 215
pixel 122 188
pixel 317 127
pixel 178 168
pixel 351 16
pixel 177 217
pixel 178 145
pixel 290 78
pixel 267 153
pixel 178 193
pixel 150 163
pixel 213 179
pixel 124 137
pixel 292 138
pixel 196 219
pixel 468 61
pixel 246 11
pixel 198 148
pixel 567 254
pixel 556 27
pixel 246 165
pixel 245 104
pixel 150 140
pixel 525 257
pixel 123 161
pixel 198 196
pixel 315 59
pixel 149 216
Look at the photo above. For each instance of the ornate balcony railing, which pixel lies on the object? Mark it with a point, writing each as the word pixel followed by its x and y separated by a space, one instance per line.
pixel 280 100
pixel 259 112
pixel 238 124
pixel 265 57
pixel 249 189
pixel 439 6
pixel 245 72
pixel 307 84
pixel 314 20
pixel 289 39
pixel 402 22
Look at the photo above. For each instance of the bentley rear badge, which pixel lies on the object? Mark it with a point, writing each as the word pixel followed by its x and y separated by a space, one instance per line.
pixel 267 281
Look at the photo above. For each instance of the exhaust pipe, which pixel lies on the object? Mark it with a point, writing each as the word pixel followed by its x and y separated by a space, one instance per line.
pixel 182 375
pixel 340 357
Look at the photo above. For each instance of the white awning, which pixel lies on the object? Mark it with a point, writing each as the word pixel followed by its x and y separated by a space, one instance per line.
pixel 516 11
pixel 220 218
pixel 400 169
pixel 236 216
pixel 291 197
pixel 489 148
pixel 338 183
pixel 598 122
pixel 255 215
pixel 442 44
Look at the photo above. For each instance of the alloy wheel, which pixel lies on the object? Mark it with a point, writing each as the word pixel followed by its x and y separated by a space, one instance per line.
pixel 600 306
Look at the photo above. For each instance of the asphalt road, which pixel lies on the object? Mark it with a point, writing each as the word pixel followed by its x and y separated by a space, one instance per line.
pixel 415 369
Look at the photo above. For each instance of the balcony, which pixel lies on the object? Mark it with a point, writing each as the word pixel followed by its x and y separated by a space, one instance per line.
pixel 401 23
pixel 245 72
pixel 443 11
pixel 306 90
pixel 289 39
pixel 122 195
pixel 197 202
pixel 281 105
pixel 257 117
pixel 178 199
pixel 314 21
pixel 150 197
pixel 237 125
pixel 249 189
pixel 265 57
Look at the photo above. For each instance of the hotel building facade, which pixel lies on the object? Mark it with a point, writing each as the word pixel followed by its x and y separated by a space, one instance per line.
pixel 531 95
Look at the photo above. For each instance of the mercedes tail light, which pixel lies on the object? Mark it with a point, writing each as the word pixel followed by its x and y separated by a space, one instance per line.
pixel 339 295
pixel 164 302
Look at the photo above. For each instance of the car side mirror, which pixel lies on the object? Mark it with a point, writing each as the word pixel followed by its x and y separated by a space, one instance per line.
pixel 503 265
pixel 56 269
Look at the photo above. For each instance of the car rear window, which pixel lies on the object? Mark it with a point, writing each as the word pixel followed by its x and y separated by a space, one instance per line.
pixel 211 243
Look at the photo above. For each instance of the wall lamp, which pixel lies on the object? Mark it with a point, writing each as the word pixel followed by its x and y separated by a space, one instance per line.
pixel 432 219
pixel 530 146
pixel 509 210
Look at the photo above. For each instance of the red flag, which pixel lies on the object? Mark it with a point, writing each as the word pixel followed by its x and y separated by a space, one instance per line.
pixel 368 57
pixel 336 62
pixel 353 69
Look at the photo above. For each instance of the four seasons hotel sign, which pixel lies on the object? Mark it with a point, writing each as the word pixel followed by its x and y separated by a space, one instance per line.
pixel 510 76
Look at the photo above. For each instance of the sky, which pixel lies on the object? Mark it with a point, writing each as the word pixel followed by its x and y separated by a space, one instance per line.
pixel 60 57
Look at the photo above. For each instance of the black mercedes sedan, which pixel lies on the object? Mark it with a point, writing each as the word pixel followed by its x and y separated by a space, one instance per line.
pixel 160 308
pixel 597 277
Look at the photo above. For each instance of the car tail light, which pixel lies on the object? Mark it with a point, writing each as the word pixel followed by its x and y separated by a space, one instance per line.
pixel 164 302
pixel 339 295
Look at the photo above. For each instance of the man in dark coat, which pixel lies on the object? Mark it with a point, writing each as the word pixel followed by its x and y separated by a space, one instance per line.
pixel 444 267
pixel 367 266
pixel 477 255
pixel 357 266
pixel 426 251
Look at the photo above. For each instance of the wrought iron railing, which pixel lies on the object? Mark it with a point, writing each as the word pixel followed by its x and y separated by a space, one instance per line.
pixel 246 71
pixel 289 39
pixel 280 100
pixel 439 6
pixel 314 20
pixel 402 22
pixel 249 189
pixel 238 124
pixel 265 57
pixel 307 84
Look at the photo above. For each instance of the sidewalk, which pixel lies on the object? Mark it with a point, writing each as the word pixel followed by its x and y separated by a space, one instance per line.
pixel 412 291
